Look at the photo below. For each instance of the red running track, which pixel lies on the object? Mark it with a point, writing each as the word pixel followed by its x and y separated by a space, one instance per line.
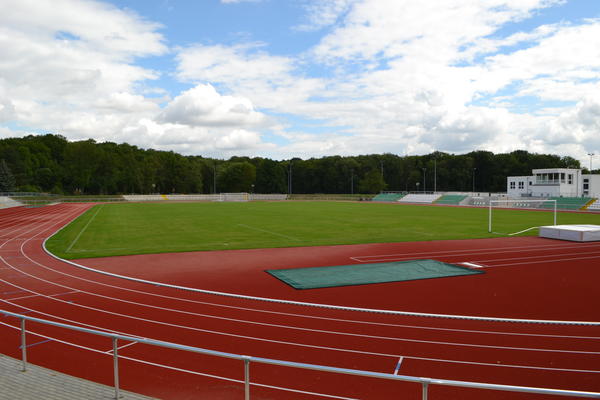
pixel 530 278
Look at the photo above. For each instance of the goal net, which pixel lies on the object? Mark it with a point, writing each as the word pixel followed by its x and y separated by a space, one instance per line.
pixel 234 197
pixel 501 219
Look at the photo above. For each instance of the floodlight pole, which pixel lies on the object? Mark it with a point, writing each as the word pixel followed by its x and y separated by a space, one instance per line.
pixel 591 157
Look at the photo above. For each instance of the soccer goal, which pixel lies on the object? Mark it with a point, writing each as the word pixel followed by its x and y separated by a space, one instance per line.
pixel 548 205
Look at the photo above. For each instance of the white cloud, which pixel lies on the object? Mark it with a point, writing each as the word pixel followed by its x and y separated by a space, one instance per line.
pixel 203 106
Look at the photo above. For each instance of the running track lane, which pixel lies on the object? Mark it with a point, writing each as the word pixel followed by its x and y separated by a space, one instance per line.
pixel 522 354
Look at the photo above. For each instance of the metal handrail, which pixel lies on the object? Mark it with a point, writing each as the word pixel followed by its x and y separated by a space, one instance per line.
pixel 425 382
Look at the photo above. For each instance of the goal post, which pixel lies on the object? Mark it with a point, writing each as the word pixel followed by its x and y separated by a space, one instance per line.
pixel 521 205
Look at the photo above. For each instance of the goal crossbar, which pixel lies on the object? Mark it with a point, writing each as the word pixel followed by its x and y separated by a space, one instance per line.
pixel 517 204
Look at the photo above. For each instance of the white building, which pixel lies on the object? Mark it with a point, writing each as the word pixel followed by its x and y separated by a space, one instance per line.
pixel 554 182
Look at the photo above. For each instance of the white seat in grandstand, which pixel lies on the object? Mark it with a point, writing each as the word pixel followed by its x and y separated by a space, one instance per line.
pixel 595 205
pixel 420 198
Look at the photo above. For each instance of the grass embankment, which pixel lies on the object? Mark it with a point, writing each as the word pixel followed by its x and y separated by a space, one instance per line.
pixel 134 228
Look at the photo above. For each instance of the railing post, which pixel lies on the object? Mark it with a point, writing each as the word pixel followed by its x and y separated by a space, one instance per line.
pixel 23 346
pixel 246 378
pixel 116 367
pixel 425 385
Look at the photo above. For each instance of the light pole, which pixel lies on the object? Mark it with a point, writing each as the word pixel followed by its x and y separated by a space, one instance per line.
pixel 215 178
pixel 290 179
pixel 474 179
pixel 591 157
pixel 424 182
pixel 435 175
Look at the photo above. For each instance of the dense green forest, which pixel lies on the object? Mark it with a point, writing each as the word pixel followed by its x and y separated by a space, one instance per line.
pixel 51 163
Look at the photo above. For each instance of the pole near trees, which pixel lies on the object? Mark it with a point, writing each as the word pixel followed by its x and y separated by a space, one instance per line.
pixel 591 157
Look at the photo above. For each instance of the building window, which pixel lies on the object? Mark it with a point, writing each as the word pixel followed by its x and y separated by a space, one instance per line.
pixel 530 183
pixel 570 179
pixel 586 186
pixel 586 180
pixel 521 185
pixel 512 185
pixel 562 177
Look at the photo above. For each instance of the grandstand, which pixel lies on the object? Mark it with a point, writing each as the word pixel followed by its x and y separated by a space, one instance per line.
pixel 425 198
pixel 568 203
pixel 451 199
pixel 388 196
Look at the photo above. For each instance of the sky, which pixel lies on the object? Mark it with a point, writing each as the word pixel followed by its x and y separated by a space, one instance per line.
pixel 305 78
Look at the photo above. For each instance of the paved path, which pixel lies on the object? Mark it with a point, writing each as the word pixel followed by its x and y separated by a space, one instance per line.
pixel 41 383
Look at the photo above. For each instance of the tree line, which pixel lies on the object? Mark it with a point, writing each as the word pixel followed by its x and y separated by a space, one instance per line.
pixel 51 163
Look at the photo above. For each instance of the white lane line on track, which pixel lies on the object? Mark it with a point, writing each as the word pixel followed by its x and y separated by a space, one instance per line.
pixel 169 367
pixel 351 321
pixel 83 230
pixel 284 326
pixel 269 232
pixel 473 252
pixel 305 315
pixel 37 295
pixel 214 332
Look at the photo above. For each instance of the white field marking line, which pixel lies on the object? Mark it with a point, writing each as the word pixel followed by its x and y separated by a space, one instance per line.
pixel 470 264
pixel 474 252
pixel 541 256
pixel 269 232
pixel 35 295
pixel 179 369
pixel 110 351
pixel 83 230
pixel 398 365
pixel 404 325
pixel 215 332
pixel 327 306
pixel 287 326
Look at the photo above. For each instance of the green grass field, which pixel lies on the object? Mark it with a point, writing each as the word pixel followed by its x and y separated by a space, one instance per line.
pixel 133 228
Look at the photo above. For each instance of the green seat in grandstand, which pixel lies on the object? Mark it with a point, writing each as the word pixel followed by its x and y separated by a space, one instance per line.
pixel 388 197
pixel 453 199
pixel 567 203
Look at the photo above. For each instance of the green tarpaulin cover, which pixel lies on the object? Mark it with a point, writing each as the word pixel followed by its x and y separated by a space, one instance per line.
pixel 362 274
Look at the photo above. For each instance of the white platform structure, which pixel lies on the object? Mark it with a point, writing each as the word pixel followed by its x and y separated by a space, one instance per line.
pixel 420 198
pixel 575 233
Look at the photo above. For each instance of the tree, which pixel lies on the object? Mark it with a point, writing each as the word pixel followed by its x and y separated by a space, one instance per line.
pixel 7 179
pixel 372 182
pixel 236 177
